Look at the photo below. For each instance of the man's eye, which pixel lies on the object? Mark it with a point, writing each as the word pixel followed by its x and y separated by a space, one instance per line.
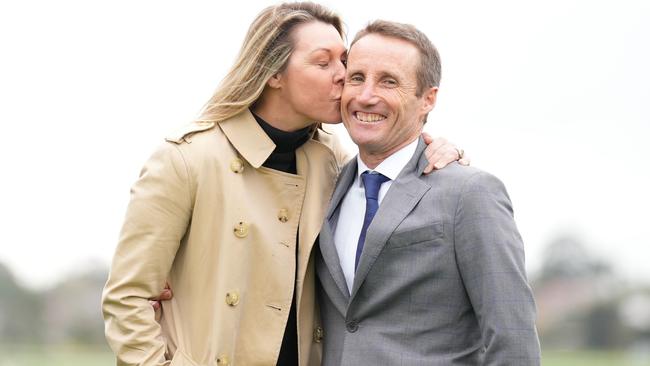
pixel 356 78
pixel 390 82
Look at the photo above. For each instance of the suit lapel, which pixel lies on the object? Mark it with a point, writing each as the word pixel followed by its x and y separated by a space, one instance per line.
pixel 404 194
pixel 342 184
pixel 326 239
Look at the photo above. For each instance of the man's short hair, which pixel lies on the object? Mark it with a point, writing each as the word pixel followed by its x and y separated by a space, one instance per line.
pixel 428 71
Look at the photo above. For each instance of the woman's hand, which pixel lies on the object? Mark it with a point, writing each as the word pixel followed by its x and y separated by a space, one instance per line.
pixel 440 153
pixel 166 294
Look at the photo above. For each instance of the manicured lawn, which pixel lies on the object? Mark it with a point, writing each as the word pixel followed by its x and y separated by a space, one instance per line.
pixel 101 356
pixel 59 356
pixel 592 358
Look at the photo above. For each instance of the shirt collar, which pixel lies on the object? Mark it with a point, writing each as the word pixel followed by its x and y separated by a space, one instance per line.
pixel 392 165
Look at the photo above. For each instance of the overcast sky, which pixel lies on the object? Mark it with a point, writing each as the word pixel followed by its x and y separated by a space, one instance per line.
pixel 551 96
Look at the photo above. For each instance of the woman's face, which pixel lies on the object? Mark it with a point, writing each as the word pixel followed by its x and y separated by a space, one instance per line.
pixel 312 82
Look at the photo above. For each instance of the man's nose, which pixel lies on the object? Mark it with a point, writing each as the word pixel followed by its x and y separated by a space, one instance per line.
pixel 367 94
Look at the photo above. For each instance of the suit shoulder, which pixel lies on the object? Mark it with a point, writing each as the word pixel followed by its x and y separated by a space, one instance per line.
pixel 466 178
pixel 470 189
pixel 351 164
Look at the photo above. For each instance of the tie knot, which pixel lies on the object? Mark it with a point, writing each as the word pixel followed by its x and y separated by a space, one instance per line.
pixel 372 182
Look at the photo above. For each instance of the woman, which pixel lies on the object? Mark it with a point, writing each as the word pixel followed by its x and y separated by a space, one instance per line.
pixel 228 210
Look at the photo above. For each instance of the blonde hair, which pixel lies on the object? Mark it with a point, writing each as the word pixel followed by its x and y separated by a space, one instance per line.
pixel 265 52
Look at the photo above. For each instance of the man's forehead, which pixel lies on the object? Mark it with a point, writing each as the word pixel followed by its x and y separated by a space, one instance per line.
pixel 375 43
pixel 382 53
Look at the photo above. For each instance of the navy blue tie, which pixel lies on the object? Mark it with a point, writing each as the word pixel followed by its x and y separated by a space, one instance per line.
pixel 371 182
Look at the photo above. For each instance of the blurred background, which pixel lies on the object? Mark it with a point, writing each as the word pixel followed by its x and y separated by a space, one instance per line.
pixel 549 96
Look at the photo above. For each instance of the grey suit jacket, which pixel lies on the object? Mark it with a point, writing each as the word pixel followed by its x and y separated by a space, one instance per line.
pixel 441 280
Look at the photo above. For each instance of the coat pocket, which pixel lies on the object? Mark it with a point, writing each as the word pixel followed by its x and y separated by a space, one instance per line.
pixel 181 359
pixel 418 235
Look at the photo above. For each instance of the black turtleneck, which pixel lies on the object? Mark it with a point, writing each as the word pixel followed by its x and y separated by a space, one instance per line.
pixel 283 158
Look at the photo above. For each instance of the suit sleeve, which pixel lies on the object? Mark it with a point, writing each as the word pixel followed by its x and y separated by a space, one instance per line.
pixel 156 220
pixel 490 256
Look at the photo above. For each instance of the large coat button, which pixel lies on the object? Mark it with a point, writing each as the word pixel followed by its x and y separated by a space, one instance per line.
pixel 318 334
pixel 236 165
pixel 232 298
pixel 241 229
pixel 283 215
pixel 223 360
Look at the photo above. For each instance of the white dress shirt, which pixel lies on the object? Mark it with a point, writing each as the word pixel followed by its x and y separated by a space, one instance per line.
pixel 353 207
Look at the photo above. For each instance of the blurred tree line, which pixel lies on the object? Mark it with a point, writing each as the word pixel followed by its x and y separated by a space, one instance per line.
pixel 582 304
pixel 68 313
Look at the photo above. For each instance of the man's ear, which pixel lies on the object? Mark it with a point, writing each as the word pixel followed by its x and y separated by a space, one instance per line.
pixel 275 81
pixel 429 97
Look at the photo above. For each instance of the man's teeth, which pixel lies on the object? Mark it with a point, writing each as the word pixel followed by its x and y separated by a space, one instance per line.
pixel 369 117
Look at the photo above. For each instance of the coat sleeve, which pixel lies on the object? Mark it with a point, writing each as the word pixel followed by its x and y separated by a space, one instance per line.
pixel 341 153
pixel 490 256
pixel 157 218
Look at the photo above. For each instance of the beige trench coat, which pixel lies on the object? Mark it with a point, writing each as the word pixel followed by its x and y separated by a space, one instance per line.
pixel 207 217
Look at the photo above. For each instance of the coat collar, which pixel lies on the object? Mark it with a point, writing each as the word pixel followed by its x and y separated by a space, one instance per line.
pixel 250 140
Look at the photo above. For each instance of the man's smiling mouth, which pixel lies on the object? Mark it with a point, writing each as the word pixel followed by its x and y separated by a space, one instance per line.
pixel 369 117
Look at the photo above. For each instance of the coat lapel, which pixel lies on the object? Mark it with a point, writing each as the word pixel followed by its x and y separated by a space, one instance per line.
pixel 326 239
pixel 404 194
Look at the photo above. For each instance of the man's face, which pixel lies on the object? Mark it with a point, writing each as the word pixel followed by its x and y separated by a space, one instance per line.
pixel 379 105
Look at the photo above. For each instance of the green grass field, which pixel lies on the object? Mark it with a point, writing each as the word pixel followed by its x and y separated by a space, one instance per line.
pixel 83 356
pixel 59 356
pixel 591 358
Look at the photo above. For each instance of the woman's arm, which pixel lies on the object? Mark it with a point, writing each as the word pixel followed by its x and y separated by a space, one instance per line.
pixel 156 220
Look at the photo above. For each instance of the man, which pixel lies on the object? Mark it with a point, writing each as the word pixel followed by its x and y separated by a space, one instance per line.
pixel 437 276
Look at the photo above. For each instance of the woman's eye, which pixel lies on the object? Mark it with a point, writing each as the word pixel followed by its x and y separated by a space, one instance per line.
pixel 323 64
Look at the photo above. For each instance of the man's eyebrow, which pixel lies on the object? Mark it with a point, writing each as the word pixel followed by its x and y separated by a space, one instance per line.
pixel 388 74
pixel 353 71
pixel 382 74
